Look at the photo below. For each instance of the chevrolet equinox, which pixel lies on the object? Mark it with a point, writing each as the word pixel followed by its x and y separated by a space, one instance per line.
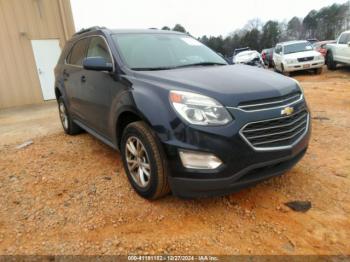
pixel 182 118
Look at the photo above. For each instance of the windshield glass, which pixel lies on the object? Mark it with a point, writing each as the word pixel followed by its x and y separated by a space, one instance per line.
pixel 163 51
pixel 298 47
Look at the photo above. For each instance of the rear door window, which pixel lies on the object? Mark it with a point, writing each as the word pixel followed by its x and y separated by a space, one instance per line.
pixel 78 52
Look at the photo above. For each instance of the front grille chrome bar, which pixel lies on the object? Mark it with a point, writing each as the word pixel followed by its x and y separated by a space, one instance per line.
pixel 277 133
pixel 271 104
pixel 274 127
pixel 280 139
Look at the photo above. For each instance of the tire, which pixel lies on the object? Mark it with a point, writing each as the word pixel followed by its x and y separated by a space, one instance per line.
pixel 318 71
pixel 331 64
pixel 68 125
pixel 141 150
pixel 284 72
pixel 275 68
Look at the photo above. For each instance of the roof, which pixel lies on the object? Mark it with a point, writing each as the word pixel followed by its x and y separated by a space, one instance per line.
pixel 326 42
pixel 143 31
pixel 129 31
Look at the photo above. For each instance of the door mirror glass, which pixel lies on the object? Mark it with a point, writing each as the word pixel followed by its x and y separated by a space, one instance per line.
pixel 97 64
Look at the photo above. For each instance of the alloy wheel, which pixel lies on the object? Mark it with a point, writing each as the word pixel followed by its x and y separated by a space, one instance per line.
pixel 138 161
pixel 63 115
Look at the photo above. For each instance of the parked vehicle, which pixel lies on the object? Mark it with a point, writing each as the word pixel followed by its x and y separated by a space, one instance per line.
pixel 321 46
pixel 339 52
pixel 238 50
pixel 297 55
pixel 312 40
pixel 267 56
pixel 182 118
pixel 251 57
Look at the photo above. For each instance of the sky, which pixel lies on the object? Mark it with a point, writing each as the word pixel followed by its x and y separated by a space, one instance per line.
pixel 199 17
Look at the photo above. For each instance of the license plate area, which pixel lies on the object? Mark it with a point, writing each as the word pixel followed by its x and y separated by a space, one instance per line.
pixel 306 66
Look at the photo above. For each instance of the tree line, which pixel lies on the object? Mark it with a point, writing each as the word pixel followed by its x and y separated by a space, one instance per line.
pixel 324 24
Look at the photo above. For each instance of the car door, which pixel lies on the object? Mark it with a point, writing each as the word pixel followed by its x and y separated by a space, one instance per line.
pixel 342 52
pixel 277 56
pixel 97 87
pixel 72 74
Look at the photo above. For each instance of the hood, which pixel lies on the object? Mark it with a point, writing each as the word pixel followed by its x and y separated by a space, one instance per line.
pixel 302 54
pixel 230 85
pixel 246 58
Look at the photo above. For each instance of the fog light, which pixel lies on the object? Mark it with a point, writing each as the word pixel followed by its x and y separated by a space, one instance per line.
pixel 199 160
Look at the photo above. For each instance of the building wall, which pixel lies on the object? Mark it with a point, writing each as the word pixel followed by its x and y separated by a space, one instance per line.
pixel 20 22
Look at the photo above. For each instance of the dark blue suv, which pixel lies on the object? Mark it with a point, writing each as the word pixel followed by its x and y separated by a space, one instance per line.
pixel 183 119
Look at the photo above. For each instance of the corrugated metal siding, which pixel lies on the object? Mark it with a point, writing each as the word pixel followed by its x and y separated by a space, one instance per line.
pixel 20 22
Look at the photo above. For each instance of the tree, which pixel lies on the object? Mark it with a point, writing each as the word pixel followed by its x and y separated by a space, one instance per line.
pixel 294 28
pixel 179 28
pixel 166 28
pixel 310 24
pixel 255 23
pixel 251 39
pixel 324 24
pixel 270 34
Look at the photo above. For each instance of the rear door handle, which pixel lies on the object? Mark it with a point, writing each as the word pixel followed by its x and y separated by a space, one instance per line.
pixel 83 78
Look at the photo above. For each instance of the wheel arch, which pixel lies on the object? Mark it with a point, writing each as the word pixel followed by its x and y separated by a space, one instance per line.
pixel 58 93
pixel 125 118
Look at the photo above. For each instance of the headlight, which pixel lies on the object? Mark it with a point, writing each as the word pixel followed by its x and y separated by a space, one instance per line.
pixel 319 57
pixel 291 61
pixel 197 109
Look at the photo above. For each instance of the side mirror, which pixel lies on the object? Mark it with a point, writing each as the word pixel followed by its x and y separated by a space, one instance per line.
pixel 348 43
pixel 97 64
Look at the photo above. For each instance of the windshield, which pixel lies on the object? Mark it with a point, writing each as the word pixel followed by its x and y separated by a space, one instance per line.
pixel 298 47
pixel 163 51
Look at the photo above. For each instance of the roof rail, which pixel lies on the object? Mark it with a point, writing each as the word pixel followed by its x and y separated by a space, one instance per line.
pixel 85 30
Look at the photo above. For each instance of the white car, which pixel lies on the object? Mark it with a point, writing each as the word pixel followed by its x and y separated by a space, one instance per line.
pixel 339 52
pixel 249 57
pixel 297 55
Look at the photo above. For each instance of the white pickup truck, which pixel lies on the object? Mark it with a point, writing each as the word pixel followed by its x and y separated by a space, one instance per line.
pixel 339 52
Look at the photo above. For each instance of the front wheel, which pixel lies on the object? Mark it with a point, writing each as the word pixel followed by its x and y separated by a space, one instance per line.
pixel 283 71
pixel 331 64
pixel 144 161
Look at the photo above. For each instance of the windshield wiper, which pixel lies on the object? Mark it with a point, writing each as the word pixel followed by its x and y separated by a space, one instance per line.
pixel 200 64
pixel 174 67
pixel 151 68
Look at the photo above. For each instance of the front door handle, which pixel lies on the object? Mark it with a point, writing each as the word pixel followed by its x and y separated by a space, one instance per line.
pixel 83 79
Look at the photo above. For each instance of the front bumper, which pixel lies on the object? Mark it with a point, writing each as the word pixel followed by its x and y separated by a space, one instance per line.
pixel 242 165
pixel 304 66
pixel 191 188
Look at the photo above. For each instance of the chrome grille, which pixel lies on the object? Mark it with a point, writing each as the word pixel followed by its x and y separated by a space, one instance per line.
pixel 278 132
pixel 270 102
pixel 304 59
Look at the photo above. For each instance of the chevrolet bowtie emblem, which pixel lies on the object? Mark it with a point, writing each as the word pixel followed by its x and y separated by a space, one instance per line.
pixel 287 111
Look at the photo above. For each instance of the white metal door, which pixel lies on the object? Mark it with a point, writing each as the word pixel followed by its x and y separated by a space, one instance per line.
pixel 46 54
